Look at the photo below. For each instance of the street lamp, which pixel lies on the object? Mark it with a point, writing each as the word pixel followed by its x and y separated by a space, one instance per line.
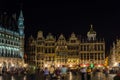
pixel 46 65
pixel 12 65
pixel 70 65
pixel 115 64
pixel 0 64
pixel 58 65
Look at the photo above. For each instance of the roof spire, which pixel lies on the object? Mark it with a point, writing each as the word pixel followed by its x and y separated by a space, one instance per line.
pixel 21 14
pixel 91 34
pixel 91 27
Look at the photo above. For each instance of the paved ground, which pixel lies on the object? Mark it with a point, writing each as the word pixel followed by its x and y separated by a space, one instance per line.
pixel 70 76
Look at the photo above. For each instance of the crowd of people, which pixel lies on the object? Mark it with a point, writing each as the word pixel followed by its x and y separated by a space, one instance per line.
pixel 85 73
pixel 55 73
pixel 58 73
pixel 13 70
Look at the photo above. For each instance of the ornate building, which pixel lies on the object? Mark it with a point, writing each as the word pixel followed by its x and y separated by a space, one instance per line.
pixel 61 50
pixel 92 50
pixel 11 40
pixel 73 50
pixel 114 58
pixel 31 50
pixel 51 51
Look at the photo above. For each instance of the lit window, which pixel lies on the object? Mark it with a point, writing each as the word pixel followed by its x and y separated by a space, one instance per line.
pixel 3 35
pixel 7 36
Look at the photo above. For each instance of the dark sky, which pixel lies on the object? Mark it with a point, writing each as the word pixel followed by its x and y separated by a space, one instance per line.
pixel 67 17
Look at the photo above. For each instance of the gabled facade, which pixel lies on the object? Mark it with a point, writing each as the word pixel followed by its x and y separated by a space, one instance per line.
pixel 73 50
pixel 70 52
pixel 61 50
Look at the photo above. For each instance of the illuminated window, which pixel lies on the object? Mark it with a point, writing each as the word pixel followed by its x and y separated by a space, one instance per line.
pixel 99 56
pixel 2 40
pixel 98 47
pixel 3 35
pixel 11 43
pixel 17 38
pixel 91 55
pixel 6 41
pixel 81 47
pixel 101 47
pixel 73 41
pixel 95 55
pixel 102 56
pixel 84 47
pixel 95 47
pixel 6 36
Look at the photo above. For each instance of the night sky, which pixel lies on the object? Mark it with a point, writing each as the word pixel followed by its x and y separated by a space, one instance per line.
pixel 67 17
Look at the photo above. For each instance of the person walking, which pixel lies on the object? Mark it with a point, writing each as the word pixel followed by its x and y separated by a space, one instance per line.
pixel 83 73
pixel 58 72
pixel 46 73
pixel 99 75
pixel 89 73
pixel 106 72
pixel 52 72
pixel 63 72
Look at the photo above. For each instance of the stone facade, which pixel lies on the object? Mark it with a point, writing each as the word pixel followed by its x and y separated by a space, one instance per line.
pixel 11 40
pixel 71 52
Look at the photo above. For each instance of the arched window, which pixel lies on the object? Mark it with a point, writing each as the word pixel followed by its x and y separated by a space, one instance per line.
pixel 2 40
